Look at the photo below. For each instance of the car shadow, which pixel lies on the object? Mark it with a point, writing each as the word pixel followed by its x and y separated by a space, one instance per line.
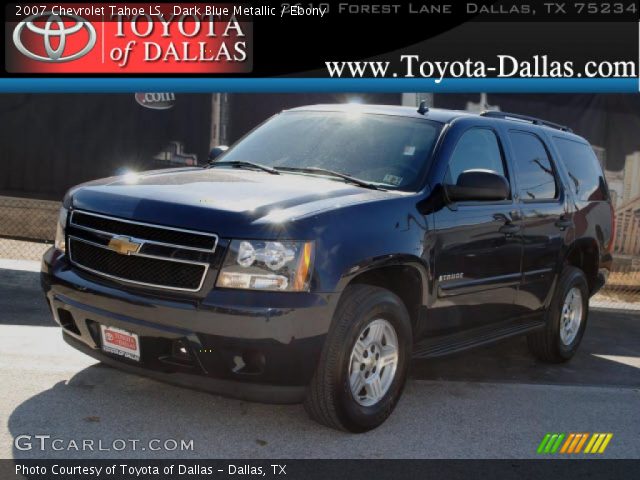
pixel 608 355
pixel 21 299
pixel 104 406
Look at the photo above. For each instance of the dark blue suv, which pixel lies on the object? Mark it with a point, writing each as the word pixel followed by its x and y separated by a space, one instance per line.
pixel 314 258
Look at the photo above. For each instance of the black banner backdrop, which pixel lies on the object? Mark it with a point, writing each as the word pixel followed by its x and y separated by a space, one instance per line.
pixel 299 46
pixel 319 469
pixel 52 142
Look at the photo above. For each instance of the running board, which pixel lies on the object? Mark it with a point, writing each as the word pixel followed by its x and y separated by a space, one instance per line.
pixel 477 337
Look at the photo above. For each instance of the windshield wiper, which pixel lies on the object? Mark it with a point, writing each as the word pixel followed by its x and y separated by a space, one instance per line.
pixel 243 164
pixel 333 173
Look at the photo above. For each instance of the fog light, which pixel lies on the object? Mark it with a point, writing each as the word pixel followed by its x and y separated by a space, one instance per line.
pixel 252 281
pixel 250 362
pixel 180 351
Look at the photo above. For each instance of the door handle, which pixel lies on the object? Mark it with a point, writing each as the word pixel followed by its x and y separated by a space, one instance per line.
pixel 509 228
pixel 563 223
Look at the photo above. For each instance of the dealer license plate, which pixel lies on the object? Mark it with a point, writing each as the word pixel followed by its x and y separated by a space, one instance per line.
pixel 120 342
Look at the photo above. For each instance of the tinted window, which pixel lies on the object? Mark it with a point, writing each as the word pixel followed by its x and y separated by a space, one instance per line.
pixel 584 170
pixel 536 180
pixel 391 151
pixel 477 149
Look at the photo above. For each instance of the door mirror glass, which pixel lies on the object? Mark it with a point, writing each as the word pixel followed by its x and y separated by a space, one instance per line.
pixel 217 151
pixel 478 185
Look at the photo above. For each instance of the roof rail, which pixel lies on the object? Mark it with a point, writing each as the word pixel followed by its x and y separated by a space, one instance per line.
pixel 524 118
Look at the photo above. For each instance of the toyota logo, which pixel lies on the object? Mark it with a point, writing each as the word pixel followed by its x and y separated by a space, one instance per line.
pixel 48 32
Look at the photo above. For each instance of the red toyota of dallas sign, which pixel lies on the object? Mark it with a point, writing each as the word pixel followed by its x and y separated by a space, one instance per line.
pixel 127 38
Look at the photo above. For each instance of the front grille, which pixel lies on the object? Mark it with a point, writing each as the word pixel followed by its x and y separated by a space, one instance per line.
pixel 151 233
pixel 151 272
pixel 167 257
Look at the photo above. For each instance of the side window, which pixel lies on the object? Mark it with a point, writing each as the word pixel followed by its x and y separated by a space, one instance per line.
pixel 477 149
pixel 585 174
pixel 536 180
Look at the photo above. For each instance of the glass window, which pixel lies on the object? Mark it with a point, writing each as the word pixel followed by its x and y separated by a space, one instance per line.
pixel 585 174
pixel 477 149
pixel 383 149
pixel 536 180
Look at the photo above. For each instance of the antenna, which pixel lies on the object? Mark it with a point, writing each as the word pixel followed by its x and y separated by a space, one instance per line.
pixel 422 109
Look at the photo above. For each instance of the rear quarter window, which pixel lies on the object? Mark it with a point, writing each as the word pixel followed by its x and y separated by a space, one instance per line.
pixel 586 179
pixel 535 174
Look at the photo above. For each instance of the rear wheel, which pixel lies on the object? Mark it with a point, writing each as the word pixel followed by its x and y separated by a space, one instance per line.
pixel 363 366
pixel 566 319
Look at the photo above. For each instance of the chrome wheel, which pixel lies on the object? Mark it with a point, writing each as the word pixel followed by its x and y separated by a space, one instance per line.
pixel 571 317
pixel 373 362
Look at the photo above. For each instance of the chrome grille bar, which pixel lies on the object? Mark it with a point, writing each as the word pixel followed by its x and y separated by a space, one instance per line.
pixel 212 236
pixel 96 263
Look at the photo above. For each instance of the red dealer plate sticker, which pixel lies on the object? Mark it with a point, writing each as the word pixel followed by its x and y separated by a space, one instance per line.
pixel 120 342
pixel 128 38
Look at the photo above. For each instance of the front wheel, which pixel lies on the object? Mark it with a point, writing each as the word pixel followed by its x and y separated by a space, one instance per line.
pixel 364 364
pixel 566 319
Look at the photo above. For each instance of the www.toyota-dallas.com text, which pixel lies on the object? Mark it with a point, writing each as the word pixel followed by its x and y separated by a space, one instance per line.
pixel 505 66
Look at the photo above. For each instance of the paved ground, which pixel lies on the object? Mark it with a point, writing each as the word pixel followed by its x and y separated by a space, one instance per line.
pixel 495 402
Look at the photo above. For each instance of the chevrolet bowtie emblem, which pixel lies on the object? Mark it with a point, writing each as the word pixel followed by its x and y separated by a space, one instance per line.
pixel 124 245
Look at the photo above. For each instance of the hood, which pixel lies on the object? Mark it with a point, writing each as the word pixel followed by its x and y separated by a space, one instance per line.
pixel 221 200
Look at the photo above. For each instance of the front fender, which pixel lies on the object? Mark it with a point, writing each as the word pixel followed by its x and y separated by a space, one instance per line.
pixel 363 238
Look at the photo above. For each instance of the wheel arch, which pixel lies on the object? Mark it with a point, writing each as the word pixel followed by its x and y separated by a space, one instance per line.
pixel 404 276
pixel 584 253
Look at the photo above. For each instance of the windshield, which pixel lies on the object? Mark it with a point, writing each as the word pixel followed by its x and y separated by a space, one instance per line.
pixel 388 151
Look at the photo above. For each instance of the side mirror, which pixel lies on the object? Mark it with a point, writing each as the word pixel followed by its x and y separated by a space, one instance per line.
pixel 217 151
pixel 478 185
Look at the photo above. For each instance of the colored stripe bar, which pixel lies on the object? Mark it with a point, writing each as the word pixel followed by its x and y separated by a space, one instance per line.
pixel 582 440
pixel 594 437
pixel 599 443
pixel 555 447
pixel 566 445
pixel 605 443
pixel 599 440
pixel 276 85
pixel 550 443
pixel 576 439
pixel 544 443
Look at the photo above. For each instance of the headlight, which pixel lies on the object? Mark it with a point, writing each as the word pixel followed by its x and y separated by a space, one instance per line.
pixel 265 265
pixel 60 243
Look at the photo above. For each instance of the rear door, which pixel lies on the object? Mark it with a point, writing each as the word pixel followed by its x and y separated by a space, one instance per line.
pixel 591 197
pixel 478 247
pixel 546 216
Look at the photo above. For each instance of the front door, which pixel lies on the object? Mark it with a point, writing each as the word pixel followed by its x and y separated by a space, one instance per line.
pixel 478 244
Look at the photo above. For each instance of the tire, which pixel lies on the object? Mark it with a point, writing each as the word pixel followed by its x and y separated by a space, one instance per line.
pixel 552 344
pixel 361 315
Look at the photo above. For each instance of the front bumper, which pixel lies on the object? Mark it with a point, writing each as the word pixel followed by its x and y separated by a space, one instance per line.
pixel 260 346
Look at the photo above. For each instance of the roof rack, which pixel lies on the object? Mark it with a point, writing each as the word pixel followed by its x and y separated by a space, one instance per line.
pixel 524 118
